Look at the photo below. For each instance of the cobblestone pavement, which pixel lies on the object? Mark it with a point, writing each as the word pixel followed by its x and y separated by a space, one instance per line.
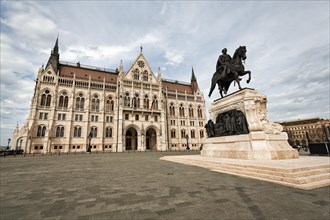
pixel 140 186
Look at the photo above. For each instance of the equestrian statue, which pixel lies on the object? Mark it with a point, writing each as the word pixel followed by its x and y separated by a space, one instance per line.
pixel 229 69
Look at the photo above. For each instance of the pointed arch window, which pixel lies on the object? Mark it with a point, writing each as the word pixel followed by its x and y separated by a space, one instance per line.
pixel 127 100
pixel 109 105
pixel 46 98
pixel 108 132
pixel 136 102
pixel 41 131
pixel 136 74
pixel 173 133
pixel 199 111
pixel 183 133
pixel 63 100
pixel 145 75
pixel 201 133
pixel 93 131
pixel 192 133
pixel 172 109
pixel 80 102
pixel 146 102
pixel 59 131
pixel 77 131
pixel 95 103
pixel 191 111
pixel 154 104
pixel 181 110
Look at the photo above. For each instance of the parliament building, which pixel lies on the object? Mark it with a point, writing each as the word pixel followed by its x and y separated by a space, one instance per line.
pixel 75 108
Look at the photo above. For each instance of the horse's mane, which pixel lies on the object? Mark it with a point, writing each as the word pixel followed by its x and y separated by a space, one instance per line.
pixel 236 52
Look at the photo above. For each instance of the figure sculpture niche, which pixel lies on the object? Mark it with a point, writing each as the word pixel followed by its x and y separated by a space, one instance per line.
pixel 229 69
pixel 232 122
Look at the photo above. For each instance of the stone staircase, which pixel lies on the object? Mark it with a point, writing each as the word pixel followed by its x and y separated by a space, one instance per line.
pixel 297 174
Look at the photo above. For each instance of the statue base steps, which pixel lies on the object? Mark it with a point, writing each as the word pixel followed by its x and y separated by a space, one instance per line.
pixel 303 173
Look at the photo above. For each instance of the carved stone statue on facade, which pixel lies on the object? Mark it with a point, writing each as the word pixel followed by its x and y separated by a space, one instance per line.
pixel 229 69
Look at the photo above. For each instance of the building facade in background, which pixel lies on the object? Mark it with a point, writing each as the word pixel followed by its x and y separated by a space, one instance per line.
pixel 75 107
pixel 302 132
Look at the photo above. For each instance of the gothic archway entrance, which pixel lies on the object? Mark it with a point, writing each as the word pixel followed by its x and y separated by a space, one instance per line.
pixel 131 139
pixel 151 139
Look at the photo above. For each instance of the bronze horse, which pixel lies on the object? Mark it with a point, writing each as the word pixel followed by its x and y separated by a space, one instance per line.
pixel 236 68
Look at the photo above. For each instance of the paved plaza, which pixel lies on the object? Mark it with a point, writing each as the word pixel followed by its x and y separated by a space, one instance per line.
pixel 141 186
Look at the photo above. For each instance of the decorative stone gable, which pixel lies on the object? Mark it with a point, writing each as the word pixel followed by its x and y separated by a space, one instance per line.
pixel 140 71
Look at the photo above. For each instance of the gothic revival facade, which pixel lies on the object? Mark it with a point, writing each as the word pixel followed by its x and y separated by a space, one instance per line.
pixel 76 107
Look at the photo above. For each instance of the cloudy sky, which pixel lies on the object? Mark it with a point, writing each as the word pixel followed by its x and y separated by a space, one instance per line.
pixel 287 43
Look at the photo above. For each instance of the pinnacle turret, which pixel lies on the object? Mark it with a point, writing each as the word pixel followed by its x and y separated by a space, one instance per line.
pixel 54 57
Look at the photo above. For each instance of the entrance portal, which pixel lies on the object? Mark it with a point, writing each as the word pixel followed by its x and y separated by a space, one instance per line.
pixel 151 139
pixel 131 139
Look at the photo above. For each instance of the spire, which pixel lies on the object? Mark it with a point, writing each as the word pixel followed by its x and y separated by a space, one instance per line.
pixel 193 80
pixel 55 50
pixel 121 69
pixel 159 74
pixel 121 66
pixel 193 77
pixel 54 57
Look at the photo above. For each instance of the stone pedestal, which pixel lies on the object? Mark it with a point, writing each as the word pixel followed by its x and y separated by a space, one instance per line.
pixel 265 140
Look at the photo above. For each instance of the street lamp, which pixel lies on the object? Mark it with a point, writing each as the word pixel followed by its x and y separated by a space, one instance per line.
pixel 8 143
pixel 187 142
pixel 89 141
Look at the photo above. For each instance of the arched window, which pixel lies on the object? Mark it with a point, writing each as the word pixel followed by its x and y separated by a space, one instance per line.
pixel 127 100
pixel 181 110
pixel 95 103
pixel 108 132
pixel 191 111
pixel 154 104
pixel 183 133
pixel 145 75
pixel 93 131
pixel 172 109
pixel 199 110
pixel 41 131
pixel 192 133
pixel 173 133
pixel 109 105
pixel 136 74
pixel 45 98
pixel 80 102
pixel 59 131
pixel 201 133
pixel 63 100
pixel 77 131
pixel 146 102
pixel 136 101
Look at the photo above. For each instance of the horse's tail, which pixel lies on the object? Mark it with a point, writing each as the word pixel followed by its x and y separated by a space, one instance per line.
pixel 211 89
pixel 213 83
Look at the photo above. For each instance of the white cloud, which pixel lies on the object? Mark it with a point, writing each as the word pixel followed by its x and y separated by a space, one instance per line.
pixel 174 57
